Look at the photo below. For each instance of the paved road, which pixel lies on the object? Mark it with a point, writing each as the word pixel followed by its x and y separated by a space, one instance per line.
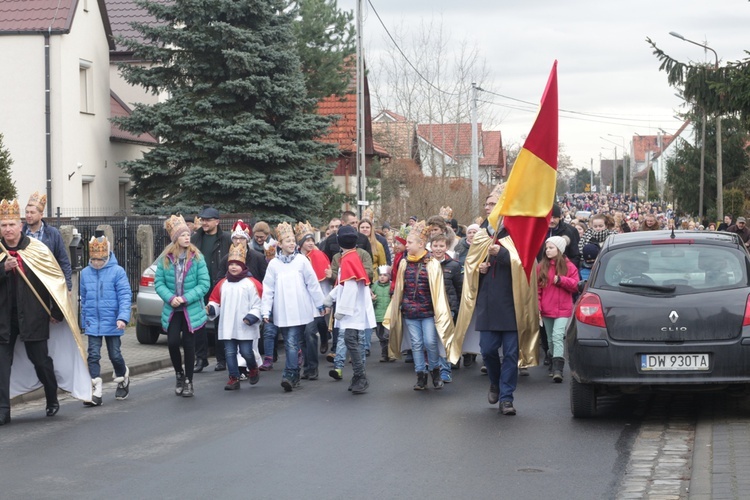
pixel 317 442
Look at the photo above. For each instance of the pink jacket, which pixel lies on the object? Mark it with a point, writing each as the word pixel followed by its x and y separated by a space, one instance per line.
pixel 556 301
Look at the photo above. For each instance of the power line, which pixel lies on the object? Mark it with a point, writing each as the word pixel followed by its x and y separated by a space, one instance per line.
pixel 404 55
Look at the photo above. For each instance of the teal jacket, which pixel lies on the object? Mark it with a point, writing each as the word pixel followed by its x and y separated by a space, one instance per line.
pixel 196 284
pixel 383 294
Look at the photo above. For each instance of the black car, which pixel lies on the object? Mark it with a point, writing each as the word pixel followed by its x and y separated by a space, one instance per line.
pixel 661 311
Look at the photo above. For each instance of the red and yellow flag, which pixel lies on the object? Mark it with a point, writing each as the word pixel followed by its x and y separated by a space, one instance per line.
pixel 529 193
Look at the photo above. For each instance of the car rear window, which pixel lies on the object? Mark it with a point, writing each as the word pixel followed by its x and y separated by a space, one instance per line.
pixel 690 268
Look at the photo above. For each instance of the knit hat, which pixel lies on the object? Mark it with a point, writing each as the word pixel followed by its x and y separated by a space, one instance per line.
pixel 556 210
pixel 559 242
pixel 241 230
pixel 347 237
pixel 176 226
pixel 472 226
pixel 384 270
pixel 590 251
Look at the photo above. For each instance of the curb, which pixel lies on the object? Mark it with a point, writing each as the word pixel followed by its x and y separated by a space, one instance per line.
pixel 702 466
pixel 149 366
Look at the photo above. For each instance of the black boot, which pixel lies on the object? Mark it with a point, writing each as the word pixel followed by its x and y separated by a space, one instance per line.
pixel 180 382
pixel 421 384
pixel 437 381
pixel 557 369
pixel 187 391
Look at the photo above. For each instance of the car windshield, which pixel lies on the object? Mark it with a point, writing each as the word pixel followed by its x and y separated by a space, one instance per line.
pixel 678 269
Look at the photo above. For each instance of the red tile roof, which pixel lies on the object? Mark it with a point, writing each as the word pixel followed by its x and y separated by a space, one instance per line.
pixel 34 16
pixel 453 139
pixel 492 148
pixel 343 131
pixel 124 12
pixel 387 115
pixel 118 108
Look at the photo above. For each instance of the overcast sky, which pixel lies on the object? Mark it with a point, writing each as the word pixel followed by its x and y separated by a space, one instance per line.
pixel 605 66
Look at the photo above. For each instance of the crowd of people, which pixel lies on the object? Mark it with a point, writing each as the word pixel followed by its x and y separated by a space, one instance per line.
pixel 435 293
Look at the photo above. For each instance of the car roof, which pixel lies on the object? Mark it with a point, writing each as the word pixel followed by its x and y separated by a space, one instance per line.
pixel 645 237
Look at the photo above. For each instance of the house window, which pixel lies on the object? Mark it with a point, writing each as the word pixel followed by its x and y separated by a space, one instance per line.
pixel 86 76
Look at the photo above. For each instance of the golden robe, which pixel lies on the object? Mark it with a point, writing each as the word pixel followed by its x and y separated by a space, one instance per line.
pixel 440 305
pixel 525 299
pixel 65 344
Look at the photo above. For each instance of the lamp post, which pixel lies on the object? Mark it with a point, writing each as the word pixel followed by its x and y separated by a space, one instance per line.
pixel 719 172
pixel 623 160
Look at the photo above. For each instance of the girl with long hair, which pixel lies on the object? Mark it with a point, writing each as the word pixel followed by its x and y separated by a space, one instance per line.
pixel 182 281
pixel 557 282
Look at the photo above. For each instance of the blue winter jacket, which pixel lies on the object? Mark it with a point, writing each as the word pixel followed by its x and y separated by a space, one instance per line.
pixel 105 298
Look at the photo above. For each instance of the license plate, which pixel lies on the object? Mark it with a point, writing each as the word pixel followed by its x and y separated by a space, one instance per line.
pixel 674 362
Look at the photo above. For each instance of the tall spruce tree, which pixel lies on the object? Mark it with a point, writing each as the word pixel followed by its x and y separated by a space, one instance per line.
pixel 237 130
pixel 8 189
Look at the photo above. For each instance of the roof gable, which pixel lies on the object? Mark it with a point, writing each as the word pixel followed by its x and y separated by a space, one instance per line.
pixel 118 108
pixel 124 12
pixel 453 139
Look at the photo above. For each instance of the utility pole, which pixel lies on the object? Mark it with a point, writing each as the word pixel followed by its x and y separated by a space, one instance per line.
pixel 361 153
pixel 614 174
pixel 474 152
pixel 703 168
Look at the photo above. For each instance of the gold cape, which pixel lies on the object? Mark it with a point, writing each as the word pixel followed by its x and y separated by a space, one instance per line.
pixel 65 343
pixel 440 305
pixel 525 299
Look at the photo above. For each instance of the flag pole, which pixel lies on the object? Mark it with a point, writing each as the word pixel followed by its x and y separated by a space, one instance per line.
pixel 23 275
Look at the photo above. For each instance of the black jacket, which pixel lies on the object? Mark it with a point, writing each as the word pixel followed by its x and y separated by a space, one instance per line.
pixel 33 320
pixel 454 281
pixel 220 250
pixel 331 246
pixel 495 308
pixel 255 262
pixel 571 250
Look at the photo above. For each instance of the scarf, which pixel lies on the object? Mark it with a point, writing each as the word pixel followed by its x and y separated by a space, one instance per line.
pixel 416 258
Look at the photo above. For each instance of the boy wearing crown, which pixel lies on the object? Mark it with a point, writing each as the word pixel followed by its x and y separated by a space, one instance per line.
pixel 419 298
pixel 35 227
pixel 35 313
pixel 236 300
pixel 292 294
pixel 105 312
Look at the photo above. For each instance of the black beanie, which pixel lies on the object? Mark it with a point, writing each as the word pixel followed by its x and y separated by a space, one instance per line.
pixel 556 211
pixel 347 237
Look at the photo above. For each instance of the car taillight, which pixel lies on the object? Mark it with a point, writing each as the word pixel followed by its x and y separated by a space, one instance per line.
pixel 589 311
pixel 746 319
pixel 147 278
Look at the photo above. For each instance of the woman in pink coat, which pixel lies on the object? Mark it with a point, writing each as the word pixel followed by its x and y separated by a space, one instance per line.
pixel 558 281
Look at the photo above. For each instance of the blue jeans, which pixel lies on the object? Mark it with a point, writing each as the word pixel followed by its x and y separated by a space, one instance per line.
pixel 246 351
pixel 113 349
pixel 341 348
pixel 445 368
pixel 292 336
pixel 423 336
pixel 505 375
pixel 270 332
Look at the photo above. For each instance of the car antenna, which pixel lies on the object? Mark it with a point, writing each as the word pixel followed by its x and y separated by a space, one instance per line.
pixel 672 235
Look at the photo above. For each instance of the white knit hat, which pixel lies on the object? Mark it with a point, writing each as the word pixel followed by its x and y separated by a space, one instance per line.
pixel 559 242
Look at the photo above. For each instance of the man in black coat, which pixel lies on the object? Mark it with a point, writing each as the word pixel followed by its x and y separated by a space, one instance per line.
pixel 23 317
pixel 495 315
pixel 558 227
pixel 214 245
pixel 331 245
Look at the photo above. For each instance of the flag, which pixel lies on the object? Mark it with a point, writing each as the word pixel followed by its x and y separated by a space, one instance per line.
pixel 527 200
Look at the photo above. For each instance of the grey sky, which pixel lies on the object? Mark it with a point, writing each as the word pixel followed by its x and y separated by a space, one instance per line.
pixel 604 64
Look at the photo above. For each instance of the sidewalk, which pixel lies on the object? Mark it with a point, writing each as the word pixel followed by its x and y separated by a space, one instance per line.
pixel 139 358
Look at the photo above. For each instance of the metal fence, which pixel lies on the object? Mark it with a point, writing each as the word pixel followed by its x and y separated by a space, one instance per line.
pixel 125 245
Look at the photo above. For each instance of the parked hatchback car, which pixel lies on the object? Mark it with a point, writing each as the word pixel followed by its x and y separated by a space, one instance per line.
pixel 149 306
pixel 661 311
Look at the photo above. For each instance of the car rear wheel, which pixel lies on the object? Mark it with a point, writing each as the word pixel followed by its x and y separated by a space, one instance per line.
pixel 582 399
pixel 147 334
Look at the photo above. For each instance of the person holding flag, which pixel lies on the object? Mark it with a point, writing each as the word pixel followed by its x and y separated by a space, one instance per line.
pixel 503 303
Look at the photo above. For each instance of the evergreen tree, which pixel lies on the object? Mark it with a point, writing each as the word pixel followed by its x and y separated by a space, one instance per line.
pixel 237 130
pixel 7 185
pixel 325 39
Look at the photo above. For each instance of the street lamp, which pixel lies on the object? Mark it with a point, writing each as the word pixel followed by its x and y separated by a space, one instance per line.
pixel 719 172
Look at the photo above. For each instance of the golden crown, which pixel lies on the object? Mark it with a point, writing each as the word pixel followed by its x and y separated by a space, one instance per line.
pixel 421 229
pixel 303 229
pixel 238 252
pixel 38 200
pixel 498 190
pixel 98 248
pixel 9 210
pixel 175 225
pixel 446 212
pixel 368 214
pixel 283 231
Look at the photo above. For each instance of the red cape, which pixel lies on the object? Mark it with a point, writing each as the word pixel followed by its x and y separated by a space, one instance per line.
pixel 351 268
pixel 216 292
pixel 320 263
